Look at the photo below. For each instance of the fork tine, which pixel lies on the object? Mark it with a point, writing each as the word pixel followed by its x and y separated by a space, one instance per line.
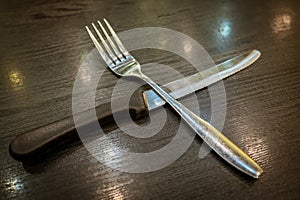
pixel 111 54
pixel 117 40
pixel 104 56
pixel 116 50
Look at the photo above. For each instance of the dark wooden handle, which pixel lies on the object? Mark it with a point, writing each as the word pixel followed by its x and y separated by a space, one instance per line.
pixel 34 142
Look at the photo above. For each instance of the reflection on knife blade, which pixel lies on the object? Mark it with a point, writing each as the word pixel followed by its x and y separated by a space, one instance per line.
pixel 185 86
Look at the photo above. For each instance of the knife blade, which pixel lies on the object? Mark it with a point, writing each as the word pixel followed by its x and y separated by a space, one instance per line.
pixel 183 87
pixel 32 143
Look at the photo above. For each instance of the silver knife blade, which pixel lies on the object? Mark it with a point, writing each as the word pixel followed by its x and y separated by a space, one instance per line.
pixel 187 85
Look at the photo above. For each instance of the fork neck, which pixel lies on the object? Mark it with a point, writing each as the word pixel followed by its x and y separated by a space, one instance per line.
pixel 133 69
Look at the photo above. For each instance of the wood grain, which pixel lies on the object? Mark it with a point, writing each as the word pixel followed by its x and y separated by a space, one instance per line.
pixel 43 44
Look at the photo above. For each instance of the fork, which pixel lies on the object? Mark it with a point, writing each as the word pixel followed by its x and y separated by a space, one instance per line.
pixel 119 60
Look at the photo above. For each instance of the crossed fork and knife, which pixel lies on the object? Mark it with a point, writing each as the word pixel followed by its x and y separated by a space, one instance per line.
pixel 122 63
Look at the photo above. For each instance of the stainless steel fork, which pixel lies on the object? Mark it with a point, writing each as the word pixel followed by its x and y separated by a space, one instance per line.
pixel 122 63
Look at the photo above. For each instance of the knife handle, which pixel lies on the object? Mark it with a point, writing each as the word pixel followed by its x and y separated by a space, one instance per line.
pixel 33 143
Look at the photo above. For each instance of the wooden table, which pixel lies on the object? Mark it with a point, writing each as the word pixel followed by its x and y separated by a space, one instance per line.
pixel 43 44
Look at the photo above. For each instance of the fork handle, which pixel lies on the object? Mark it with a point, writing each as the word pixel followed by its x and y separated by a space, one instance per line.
pixel 214 138
pixel 34 143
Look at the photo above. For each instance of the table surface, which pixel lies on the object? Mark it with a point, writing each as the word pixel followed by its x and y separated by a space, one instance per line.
pixel 43 44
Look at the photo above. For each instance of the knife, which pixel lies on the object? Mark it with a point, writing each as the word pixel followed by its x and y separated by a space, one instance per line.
pixel 33 143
